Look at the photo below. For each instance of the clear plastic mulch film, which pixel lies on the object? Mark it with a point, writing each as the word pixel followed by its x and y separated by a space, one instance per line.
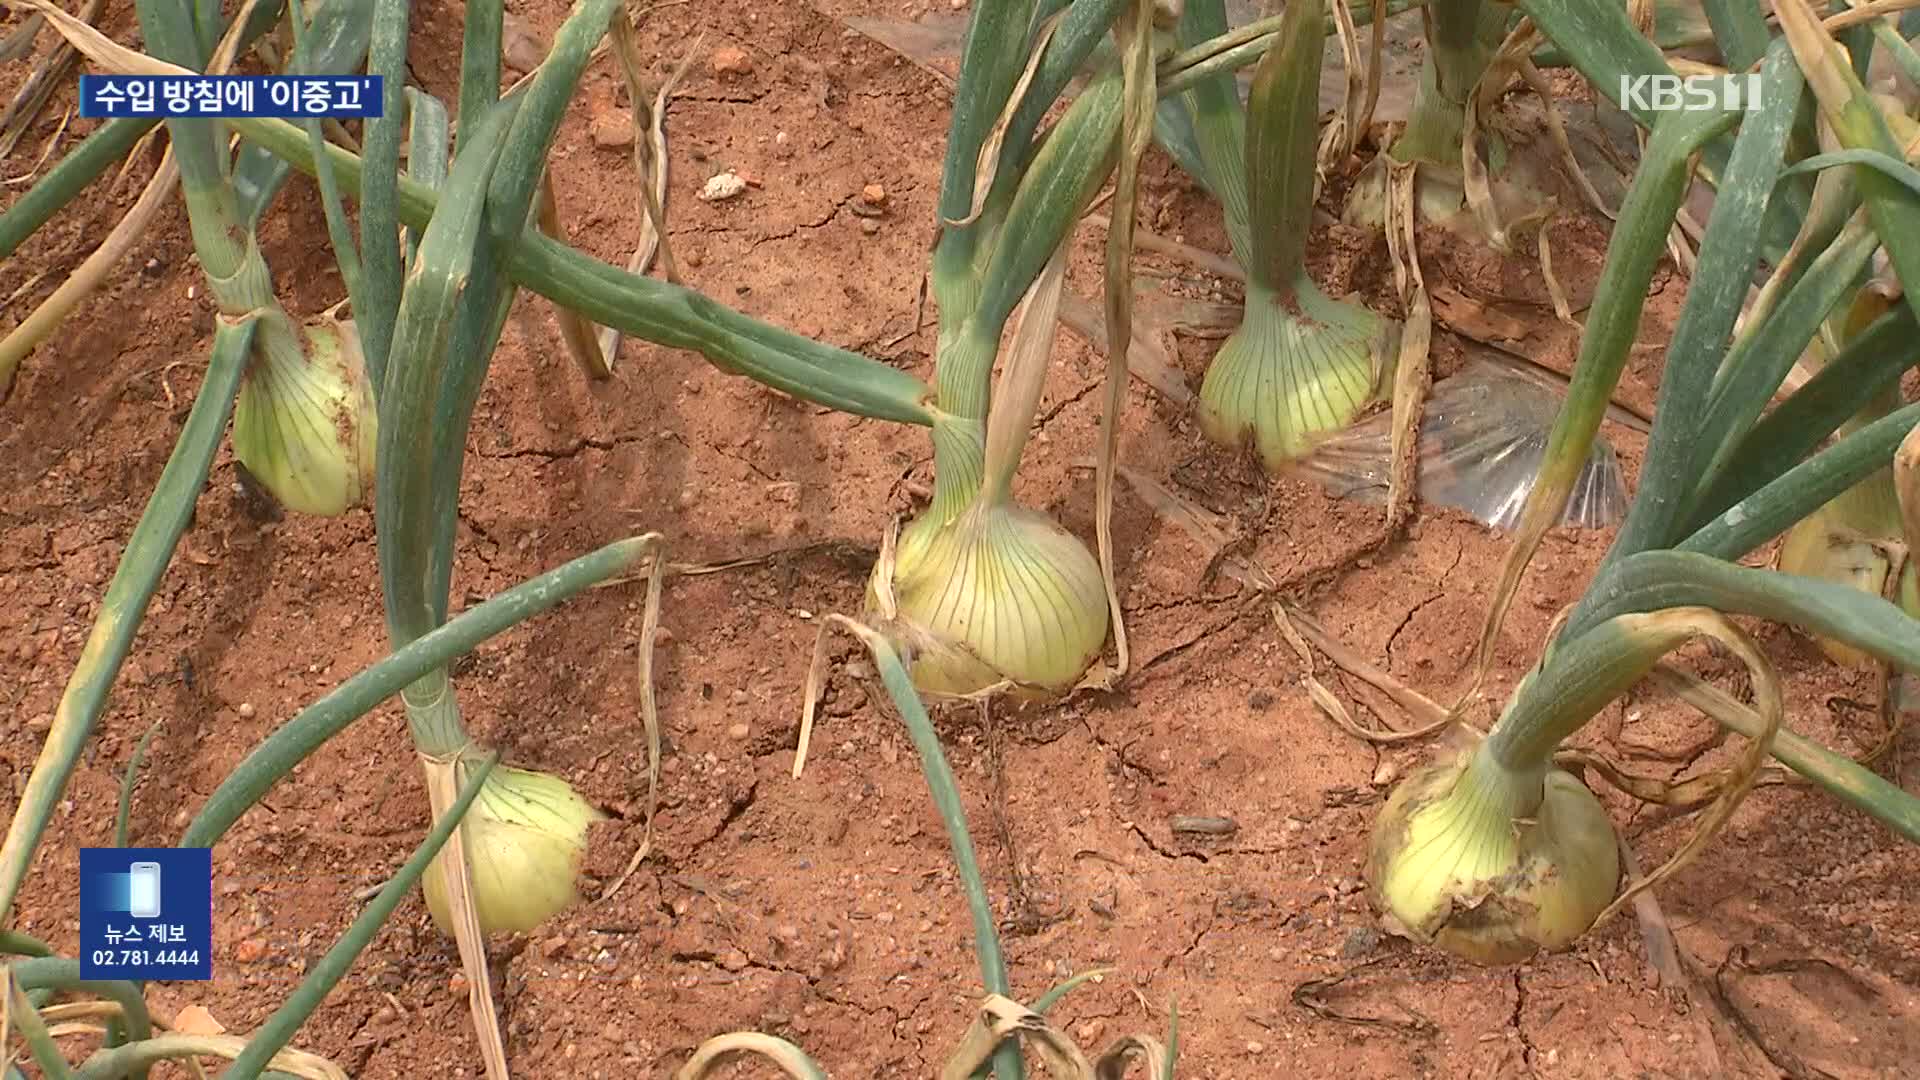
pixel 1481 443
pixel 933 42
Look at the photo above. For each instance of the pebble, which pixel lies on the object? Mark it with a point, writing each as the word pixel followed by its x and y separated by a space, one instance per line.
pixel 739 732
pixel 457 986
pixel 869 226
pixel 874 195
pixel 1387 772
pixel 1256 1047
pixel 731 60
pixel 41 724
pixel 245 710
pixel 1089 1033
pixel 250 950
pixel 611 131
pixel 1361 940
pixel 721 186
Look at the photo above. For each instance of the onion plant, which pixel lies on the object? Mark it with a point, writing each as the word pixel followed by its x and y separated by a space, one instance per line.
pixel 983 593
pixel 1498 851
pixel 1302 364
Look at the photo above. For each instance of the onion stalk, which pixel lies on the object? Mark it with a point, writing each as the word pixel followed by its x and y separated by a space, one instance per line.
pixel 1462 38
pixel 1302 364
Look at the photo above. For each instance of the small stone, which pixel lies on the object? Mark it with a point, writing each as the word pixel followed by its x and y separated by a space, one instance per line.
pixel 737 696
pixel 611 131
pixel 457 986
pixel 250 950
pixel 874 195
pixel 41 724
pixel 739 732
pixel 245 710
pixel 662 636
pixel 1254 1046
pixel 1361 940
pixel 1089 1033
pixel 722 186
pixel 869 226
pixel 957 5
pixel 731 60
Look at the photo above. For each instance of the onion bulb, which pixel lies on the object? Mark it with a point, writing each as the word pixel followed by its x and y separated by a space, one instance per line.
pixel 304 423
pixel 1855 540
pixel 1300 367
pixel 524 837
pixel 998 593
pixel 1492 865
pixel 1858 538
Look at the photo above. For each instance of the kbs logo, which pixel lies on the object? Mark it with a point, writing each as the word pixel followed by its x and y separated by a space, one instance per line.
pixel 1676 93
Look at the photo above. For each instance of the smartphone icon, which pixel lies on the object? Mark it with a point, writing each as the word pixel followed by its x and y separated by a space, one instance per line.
pixel 143 890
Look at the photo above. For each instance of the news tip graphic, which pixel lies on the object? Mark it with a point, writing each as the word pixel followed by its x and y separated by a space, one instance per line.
pixel 146 913
pixel 338 97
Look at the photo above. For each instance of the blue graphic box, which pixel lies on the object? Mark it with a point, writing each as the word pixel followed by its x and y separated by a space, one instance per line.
pixel 146 913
